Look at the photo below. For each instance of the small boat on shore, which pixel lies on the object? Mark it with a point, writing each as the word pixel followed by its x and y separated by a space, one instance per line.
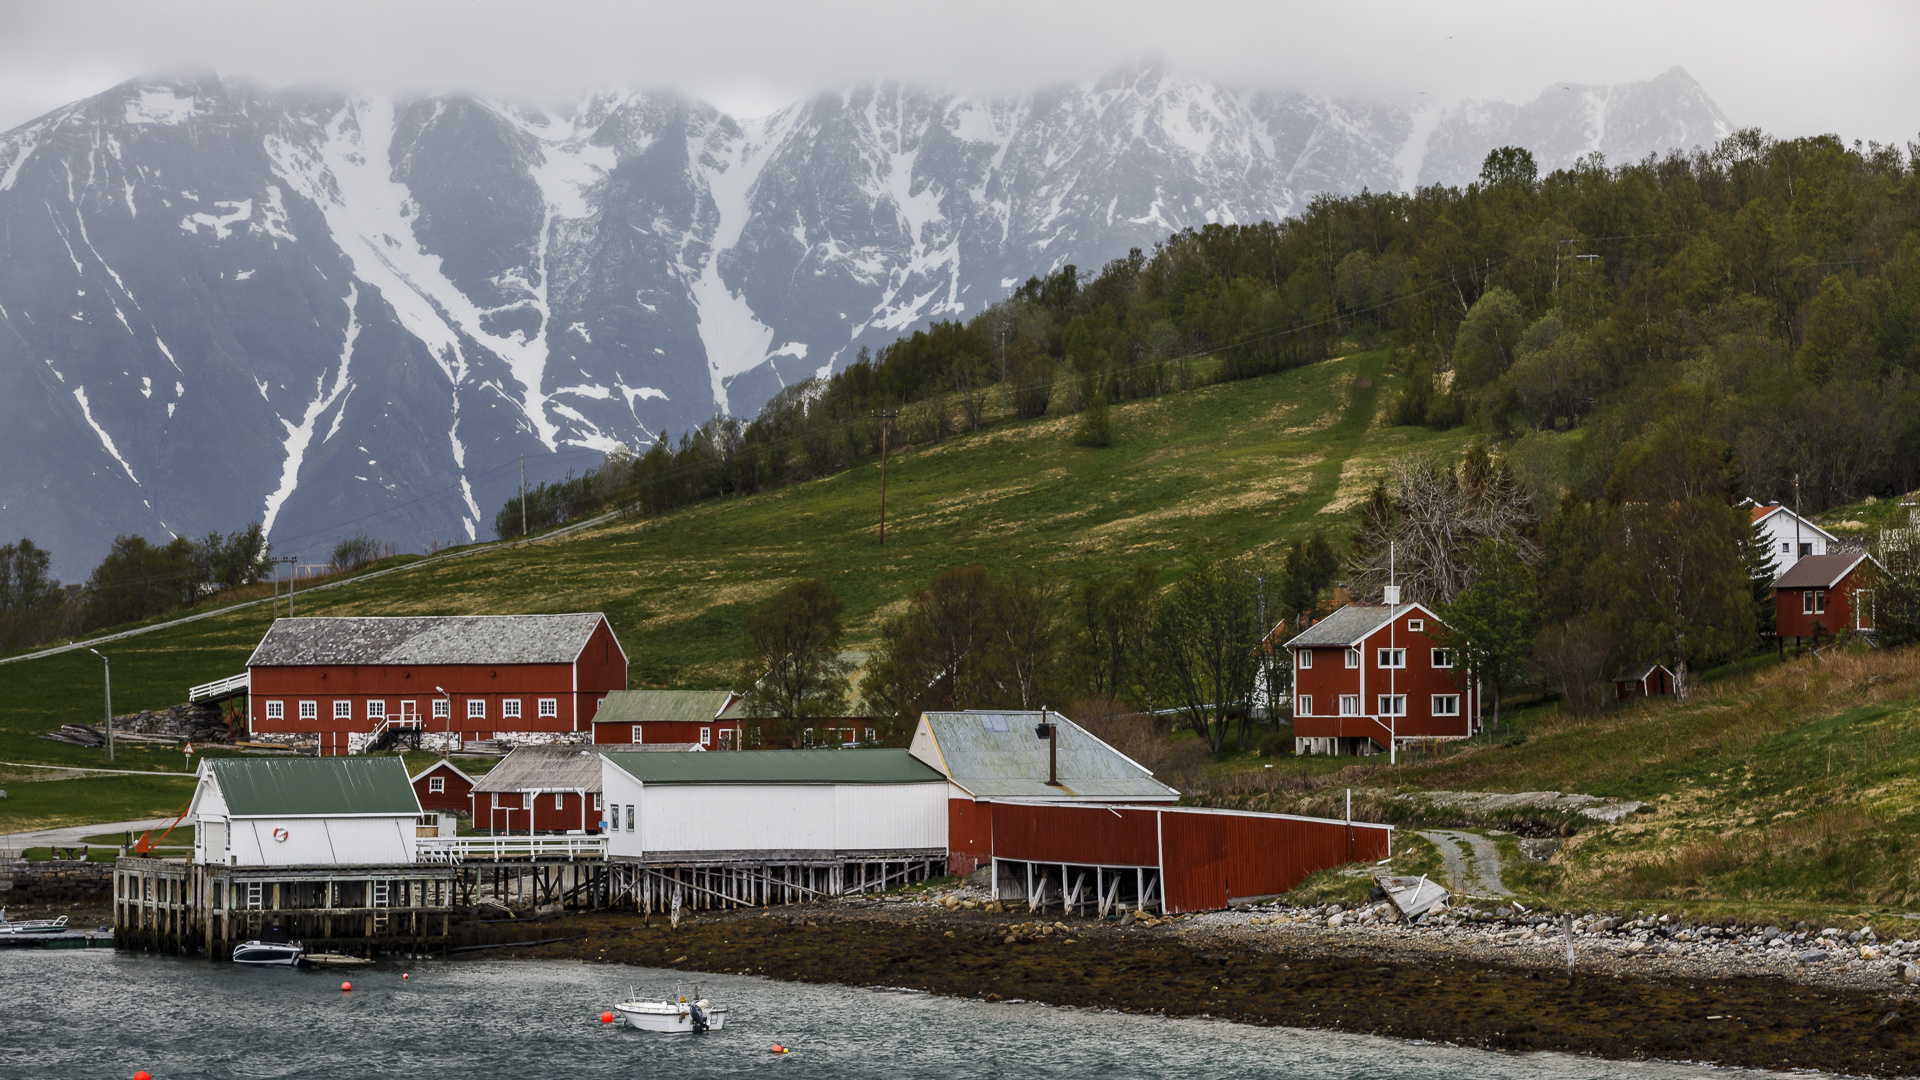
pixel 675 1015
pixel 31 926
pixel 270 949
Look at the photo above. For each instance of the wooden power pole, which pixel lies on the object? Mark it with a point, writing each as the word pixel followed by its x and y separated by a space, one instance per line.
pixel 886 424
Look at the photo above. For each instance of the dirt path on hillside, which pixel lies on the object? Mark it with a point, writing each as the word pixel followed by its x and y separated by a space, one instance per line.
pixel 1473 862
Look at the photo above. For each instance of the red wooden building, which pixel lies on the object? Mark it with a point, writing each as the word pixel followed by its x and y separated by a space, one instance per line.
pixel 541 789
pixel 1372 674
pixel 1823 595
pixel 706 717
pixel 442 786
pixel 471 677
pixel 1647 680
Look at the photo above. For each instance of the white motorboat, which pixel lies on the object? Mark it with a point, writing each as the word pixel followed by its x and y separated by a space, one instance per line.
pixel 31 926
pixel 678 1014
pixel 271 949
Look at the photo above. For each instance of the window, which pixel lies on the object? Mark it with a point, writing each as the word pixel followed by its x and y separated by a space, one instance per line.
pixel 1786 548
pixel 873 735
pixel 1446 704
pixel 526 800
pixel 1393 658
pixel 376 710
pixel 629 817
pixel 1306 658
pixel 476 708
pixel 510 708
pixel 636 733
pixel 1819 601
pixel 596 800
pixel 706 736
pixel 1353 658
pixel 1863 609
pixel 343 710
pixel 1393 704
pixel 1806 550
pixel 559 800
pixel 1416 625
pixel 1443 658
pixel 436 785
pixel 442 708
pixel 1303 705
pixel 276 710
pixel 549 706
pixel 1349 704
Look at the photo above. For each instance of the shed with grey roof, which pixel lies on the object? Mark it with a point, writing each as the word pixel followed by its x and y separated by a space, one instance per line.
pixel 998 755
pixel 540 789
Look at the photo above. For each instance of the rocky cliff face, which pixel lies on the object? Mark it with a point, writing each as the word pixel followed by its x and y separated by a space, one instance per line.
pixel 221 303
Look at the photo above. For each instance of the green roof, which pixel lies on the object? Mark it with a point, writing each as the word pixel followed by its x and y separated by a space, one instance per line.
pixel 661 706
pixel 775 767
pixel 314 787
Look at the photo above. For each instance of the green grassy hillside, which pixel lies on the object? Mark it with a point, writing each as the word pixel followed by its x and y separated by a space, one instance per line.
pixel 1226 468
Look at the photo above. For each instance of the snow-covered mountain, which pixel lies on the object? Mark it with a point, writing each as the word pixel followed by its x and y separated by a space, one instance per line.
pixel 220 302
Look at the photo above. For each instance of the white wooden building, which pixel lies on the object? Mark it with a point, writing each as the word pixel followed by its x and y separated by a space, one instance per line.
pixel 292 811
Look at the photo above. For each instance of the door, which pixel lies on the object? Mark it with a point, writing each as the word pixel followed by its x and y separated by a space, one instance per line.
pixel 409 714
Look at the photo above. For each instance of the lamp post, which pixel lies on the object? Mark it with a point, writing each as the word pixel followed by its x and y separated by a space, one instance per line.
pixel 108 672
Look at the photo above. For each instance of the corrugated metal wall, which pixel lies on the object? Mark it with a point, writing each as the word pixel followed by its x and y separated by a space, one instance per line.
pixel 323 841
pixel 783 817
pixel 1080 834
pixel 889 817
pixel 1215 857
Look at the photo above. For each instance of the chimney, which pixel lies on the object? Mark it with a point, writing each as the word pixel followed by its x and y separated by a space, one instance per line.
pixel 1050 731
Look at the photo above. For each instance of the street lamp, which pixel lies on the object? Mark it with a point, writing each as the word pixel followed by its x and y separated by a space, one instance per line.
pixel 109 681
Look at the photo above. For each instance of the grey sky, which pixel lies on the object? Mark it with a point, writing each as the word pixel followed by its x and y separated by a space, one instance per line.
pixel 1841 66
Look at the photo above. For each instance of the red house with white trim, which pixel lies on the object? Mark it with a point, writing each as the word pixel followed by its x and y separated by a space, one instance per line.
pixel 443 786
pixel 1372 674
pixel 1823 595
pixel 451 678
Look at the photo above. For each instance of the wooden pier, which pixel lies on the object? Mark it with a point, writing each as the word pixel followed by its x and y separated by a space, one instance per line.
pixel 665 885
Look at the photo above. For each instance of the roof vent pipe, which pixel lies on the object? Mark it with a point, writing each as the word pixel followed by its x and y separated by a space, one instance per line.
pixel 1050 731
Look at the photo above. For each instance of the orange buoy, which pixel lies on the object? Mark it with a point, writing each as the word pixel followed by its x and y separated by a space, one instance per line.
pixel 606 1018
pixel 778 1049
pixel 346 986
pixel 404 976
pixel 142 1075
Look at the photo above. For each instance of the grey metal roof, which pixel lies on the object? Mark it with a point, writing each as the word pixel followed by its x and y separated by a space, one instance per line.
pixel 997 755
pixel 1818 571
pixel 662 748
pixel 662 706
pixel 545 768
pixel 438 639
pixel 314 787
pixel 1348 626
pixel 776 767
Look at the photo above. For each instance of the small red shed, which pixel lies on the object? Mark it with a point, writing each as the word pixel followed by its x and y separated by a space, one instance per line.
pixel 1651 680
pixel 1370 674
pixel 626 717
pixel 1823 595
pixel 462 678
pixel 541 789
pixel 442 786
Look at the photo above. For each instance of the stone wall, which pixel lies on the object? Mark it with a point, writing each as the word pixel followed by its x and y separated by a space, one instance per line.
pixel 55 881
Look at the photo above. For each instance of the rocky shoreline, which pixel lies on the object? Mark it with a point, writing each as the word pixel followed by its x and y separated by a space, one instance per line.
pixel 1644 989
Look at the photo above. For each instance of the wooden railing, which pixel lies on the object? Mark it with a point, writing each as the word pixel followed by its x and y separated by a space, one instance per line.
pixel 496 848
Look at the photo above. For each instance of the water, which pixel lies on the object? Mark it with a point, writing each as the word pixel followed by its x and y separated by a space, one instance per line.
pixel 98 1014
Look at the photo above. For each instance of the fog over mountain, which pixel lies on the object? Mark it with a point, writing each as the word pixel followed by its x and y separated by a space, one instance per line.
pixel 221 302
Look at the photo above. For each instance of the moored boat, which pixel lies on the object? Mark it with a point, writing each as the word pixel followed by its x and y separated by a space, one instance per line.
pixel 678 1014
pixel 271 949
pixel 31 926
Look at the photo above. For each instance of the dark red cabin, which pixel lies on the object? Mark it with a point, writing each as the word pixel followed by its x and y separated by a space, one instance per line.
pixel 442 786
pixel 1823 595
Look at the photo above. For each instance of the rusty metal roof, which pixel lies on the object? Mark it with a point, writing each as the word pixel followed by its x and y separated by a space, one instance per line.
pixel 997 755
pixel 433 639
pixel 314 787
pixel 544 768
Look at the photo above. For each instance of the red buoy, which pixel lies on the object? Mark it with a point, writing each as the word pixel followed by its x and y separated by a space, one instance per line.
pixel 346 986
pixel 142 1075
pixel 403 976
pixel 606 1018
pixel 778 1049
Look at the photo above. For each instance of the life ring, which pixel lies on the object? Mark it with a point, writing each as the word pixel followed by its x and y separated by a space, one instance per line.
pixel 280 835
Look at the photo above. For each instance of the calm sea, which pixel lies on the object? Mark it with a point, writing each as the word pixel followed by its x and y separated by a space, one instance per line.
pixel 97 1014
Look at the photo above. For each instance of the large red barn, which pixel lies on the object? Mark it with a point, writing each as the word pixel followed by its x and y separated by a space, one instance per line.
pixel 1371 674
pixel 463 678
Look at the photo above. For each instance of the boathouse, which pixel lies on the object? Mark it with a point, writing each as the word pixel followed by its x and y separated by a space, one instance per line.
pixel 295 811
pixel 1037 755
pixel 540 789
pixel 768 826
pixel 356 684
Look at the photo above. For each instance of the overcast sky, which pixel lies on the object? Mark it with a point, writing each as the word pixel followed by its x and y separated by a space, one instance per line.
pixel 1844 66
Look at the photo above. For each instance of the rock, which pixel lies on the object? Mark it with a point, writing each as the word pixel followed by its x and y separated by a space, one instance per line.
pixel 1637 947
pixel 1336 919
pixel 1334 909
pixel 1777 943
pixel 1868 952
pixel 1813 956
pixel 1502 912
pixel 1770 933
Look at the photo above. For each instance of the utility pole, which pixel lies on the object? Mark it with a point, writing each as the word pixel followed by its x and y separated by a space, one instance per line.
pixel 886 425
pixel 108 671
pixel 523 495
pixel 293 568
pixel 1796 518
pixel 1393 609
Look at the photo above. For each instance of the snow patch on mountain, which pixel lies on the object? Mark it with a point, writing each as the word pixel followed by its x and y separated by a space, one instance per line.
pixel 300 435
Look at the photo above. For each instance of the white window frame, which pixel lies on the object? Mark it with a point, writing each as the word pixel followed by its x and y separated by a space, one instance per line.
pixel 629 817
pixel 1304 659
pixel 636 733
pixel 510 708
pixel 706 736
pixel 476 708
pixel 526 800
pixel 1394 659
pixel 1786 547
pixel 1349 704
pixel 1442 658
pixel 1446 704
pixel 1416 625
pixel 442 709
pixel 1303 705
pixel 276 710
pixel 559 800
pixel 549 707
pixel 1353 658
pixel 873 734
pixel 309 710
pixel 1863 609
pixel 376 709
pixel 1393 704
pixel 436 785
pixel 596 800
pixel 343 710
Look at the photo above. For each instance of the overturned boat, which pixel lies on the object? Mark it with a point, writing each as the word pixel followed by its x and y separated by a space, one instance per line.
pixel 1411 897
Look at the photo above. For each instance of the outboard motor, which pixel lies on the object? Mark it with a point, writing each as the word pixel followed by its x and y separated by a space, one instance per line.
pixel 699 1016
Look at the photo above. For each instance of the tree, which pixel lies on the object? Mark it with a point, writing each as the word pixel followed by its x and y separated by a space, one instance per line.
pixel 948 650
pixel 1112 623
pixel 1419 525
pixel 1896 589
pixel 1096 426
pixel 793 668
pixel 1028 619
pixel 1575 656
pixel 1483 348
pixel 1206 636
pixel 1672 577
pixel 29 594
pixel 1509 165
pixel 1308 567
pixel 1492 623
